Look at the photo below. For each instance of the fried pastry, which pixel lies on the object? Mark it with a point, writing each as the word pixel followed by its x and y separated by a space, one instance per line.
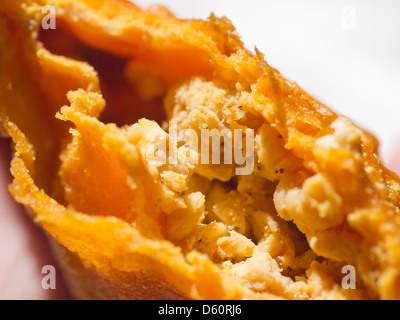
pixel 90 107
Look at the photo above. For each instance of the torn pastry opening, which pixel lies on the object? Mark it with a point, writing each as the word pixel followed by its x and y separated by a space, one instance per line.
pixel 123 160
pixel 131 91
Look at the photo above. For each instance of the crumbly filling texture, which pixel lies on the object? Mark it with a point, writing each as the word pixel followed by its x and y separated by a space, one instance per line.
pixel 243 223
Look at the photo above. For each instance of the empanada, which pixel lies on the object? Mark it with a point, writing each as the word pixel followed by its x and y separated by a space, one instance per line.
pixel 132 212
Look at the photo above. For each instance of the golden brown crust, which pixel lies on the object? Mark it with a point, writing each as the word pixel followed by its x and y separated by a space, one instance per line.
pixel 325 176
pixel 85 282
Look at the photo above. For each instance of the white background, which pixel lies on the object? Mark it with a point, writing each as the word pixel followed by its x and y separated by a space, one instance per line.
pixel 346 53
